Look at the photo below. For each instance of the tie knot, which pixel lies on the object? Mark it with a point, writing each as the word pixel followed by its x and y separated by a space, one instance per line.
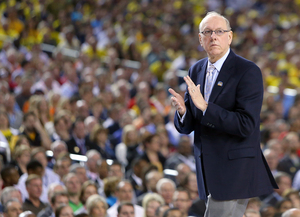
pixel 210 69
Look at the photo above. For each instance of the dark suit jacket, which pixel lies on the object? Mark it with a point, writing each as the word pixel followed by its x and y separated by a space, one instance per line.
pixel 287 165
pixel 229 161
pixel 73 146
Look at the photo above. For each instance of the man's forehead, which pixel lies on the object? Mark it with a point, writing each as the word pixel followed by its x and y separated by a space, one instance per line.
pixel 214 22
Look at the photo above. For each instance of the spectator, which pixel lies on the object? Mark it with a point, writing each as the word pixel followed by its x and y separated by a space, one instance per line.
pixel 13 208
pixel 182 201
pixel 183 171
pixel 69 88
pixel 135 176
pixel 110 187
pixel 124 193
pixel 58 148
pixel 93 157
pixel 151 180
pixel 251 213
pixel 72 184
pixel 22 158
pixel 96 206
pixel 161 210
pixel 283 181
pixel 78 144
pixel 34 131
pixel 293 195
pixel 89 123
pixel 126 209
pixel 190 183
pixel 184 155
pixel 34 188
pixel 151 202
pixel 49 176
pixel 9 193
pixel 64 210
pixel 60 129
pixel 166 188
pixel 290 162
pixel 173 212
pixel 272 160
pixel 100 142
pixel 14 112
pixel 80 172
pixel 10 134
pixel 57 199
pixel 25 93
pixel 152 154
pixel 33 167
pixel 27 214
pixel 126 151
pixel 88 189
pixel 116 169
pixel 283 206
pixel 291 213
pixel 254 204
pixel 276 145
pixel 10 176
pixel 62 166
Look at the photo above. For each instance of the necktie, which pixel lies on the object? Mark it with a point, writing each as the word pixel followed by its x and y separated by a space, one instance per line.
pixel 209 81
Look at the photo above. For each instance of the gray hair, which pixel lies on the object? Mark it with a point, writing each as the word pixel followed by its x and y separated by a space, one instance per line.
pixel 93 200
pixel 152 197
pixel 163 181
pixel 91 153
pixel 68 176
pixel 89 120
pixel 74 167
pixel 52 186
pixel 213 14
pixel 6 194
pixel 290 212
pixel 9 201
pixel 57 143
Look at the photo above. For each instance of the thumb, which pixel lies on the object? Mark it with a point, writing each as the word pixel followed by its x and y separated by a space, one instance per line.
pixel 198 86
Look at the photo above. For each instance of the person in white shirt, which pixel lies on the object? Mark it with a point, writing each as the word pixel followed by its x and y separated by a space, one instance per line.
pixel 124 193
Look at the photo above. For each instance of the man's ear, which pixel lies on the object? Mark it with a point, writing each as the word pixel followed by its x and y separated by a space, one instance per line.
pixel 230 35
pixel 200 39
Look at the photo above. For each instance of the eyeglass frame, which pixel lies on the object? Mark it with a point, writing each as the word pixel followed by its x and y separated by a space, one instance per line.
pixel 214 31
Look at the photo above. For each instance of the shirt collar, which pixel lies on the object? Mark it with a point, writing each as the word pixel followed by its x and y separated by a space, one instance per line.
pixel 137 179
pixel 220 62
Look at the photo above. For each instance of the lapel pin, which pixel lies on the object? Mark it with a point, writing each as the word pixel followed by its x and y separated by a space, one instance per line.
pixel 220 83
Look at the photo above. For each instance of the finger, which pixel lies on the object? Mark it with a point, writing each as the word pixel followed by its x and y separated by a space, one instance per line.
pixel 189 81
pixel 173 92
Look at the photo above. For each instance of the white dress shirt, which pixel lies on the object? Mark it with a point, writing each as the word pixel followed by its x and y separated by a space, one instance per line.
pixel 113 211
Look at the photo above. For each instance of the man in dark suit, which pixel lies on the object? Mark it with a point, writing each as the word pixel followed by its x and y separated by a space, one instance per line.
pixel 222 105
pixel 184 155
pixel 290 163
pixel 79 143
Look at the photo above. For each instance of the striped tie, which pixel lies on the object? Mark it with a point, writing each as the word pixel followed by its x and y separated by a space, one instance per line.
pixel 209 81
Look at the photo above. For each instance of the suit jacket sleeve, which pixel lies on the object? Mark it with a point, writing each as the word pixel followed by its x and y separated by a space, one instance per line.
pixel 188 123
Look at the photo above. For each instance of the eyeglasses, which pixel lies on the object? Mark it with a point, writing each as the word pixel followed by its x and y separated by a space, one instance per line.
pixel 218 32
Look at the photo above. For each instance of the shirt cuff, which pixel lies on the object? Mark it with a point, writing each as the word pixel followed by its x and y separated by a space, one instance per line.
pixel 181 118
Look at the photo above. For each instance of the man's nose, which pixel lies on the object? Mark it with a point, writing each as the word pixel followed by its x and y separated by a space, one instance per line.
pixel 213 35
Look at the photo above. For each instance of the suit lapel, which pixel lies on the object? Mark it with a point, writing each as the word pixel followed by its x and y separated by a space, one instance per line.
pixel 201 77
pixel 224 75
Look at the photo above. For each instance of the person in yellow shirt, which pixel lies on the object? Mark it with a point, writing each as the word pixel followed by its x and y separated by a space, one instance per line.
pixel 14 22
pixel 10 134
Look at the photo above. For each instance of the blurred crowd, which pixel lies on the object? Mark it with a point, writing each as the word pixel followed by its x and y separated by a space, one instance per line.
pixel 86 125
